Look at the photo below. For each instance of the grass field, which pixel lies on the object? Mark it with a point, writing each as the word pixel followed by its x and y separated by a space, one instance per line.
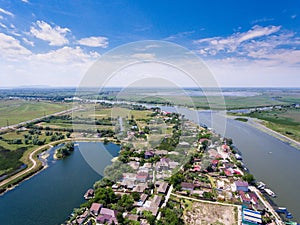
pixel 285 121
pixel 16 111
pixel 213 102
pixel 115 112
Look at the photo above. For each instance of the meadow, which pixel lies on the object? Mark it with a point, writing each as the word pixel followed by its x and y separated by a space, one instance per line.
pixel 16 111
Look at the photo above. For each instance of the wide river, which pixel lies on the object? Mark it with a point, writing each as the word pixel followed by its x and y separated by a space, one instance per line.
pixel 50 196
pixel 270 160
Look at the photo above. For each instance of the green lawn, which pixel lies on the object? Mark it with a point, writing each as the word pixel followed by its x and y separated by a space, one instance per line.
pixel 16 111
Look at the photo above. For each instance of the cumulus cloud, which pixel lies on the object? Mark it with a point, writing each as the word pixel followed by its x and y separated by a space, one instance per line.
pixel 211 46
pixel 67 55
pixel 259 43
pixel 101 42
pixel 26 41
pixel 6 12
pixel 56 36
pixel 11 48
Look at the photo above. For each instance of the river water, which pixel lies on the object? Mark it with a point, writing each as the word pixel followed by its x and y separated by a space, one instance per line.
pixel 270 160
pixel 50 196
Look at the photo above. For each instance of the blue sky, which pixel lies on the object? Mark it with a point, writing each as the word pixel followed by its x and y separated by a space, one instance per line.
pixel 244 43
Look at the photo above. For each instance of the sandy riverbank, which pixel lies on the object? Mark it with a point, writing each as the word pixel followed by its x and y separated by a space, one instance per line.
pixel 258 124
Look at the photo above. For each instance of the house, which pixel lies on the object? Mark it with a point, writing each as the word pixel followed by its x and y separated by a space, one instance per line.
pixel 82 218
pixel 128 184
pixel 140 188
pixel 173 164
pixel 244 198
pixel 142 177
pixel 187 186
pixel 197 168
pixel 142 200
pixel 163 187
pixel 156 200
pixel 132 217
pixel 161 152
pixel 89 194
pixel 95 209
pixel 241 186
pixel 214 162
pixel 107 216
pixel 149 154
pixel 201 140
pixel 184 144
pixel 134 165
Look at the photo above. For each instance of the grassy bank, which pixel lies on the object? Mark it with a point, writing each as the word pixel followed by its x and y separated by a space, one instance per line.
pixel 285 121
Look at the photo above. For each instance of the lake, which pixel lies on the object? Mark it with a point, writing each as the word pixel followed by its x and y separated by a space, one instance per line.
pixel 50 196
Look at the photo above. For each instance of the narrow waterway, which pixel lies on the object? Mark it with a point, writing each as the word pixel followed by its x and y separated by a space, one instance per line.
pixel 270 160
pixel 50 196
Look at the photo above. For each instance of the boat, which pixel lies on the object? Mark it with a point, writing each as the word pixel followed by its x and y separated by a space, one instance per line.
pixel 270 192
pixel 261 185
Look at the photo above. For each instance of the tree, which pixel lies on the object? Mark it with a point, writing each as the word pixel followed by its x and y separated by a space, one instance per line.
pixel 136 196
pixel 248 177
pixel 126 202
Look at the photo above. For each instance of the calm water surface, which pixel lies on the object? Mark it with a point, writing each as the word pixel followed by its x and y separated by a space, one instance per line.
pixel 50 196
pixel 268 159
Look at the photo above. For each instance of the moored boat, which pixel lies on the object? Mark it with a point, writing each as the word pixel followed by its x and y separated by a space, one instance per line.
pixel 270 192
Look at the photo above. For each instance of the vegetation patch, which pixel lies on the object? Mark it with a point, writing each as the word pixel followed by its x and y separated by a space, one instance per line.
pixel 242 119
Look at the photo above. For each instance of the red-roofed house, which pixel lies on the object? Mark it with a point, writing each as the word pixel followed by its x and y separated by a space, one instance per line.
pixel 241 186
pixel 244 197
pixel 95 208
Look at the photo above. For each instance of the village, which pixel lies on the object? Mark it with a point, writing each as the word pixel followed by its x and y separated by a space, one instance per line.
pixel 164 182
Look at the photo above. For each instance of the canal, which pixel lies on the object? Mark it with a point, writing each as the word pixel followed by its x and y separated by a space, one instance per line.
pixel 50 196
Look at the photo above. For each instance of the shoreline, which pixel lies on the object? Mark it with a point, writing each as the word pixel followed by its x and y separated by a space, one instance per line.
pixel 43 166
pixel 257 123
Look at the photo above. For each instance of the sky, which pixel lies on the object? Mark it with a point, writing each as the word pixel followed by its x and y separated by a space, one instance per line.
pixel 243 43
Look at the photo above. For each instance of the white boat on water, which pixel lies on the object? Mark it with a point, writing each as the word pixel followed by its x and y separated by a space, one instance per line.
pixel 269 192
pixel 261 185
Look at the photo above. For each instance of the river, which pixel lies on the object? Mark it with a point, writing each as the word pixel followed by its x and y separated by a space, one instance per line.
pixel 50 196
pixel 270 160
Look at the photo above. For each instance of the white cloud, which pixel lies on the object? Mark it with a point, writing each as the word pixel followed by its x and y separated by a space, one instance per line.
pixel 230 44
pixel 11 49
pixel 3 25
pixel 6 12
pixel 26 41
pixel 258 31
pixel 293 16
pixel 25 1
pixel 67 56
pixel 56 36
pixel 101 42
pixel 180 35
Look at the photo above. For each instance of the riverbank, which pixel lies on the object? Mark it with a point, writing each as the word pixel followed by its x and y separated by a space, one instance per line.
pixel 259 124
pixel 37 165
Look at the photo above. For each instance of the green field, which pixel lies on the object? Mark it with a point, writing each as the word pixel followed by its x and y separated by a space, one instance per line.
pixel 213 102
pixel 285 121
pixel 16 111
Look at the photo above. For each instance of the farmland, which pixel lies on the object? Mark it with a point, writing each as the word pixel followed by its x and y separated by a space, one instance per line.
pixel 16 111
